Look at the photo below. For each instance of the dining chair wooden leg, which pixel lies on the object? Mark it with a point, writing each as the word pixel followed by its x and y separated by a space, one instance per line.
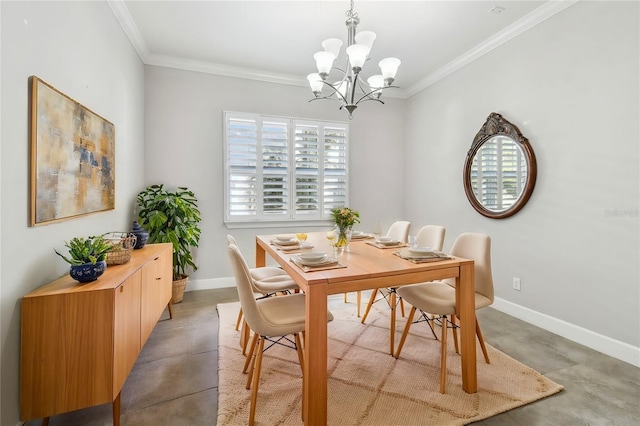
pixel 402 307
pixel 345 298
pixel 358 299
pixel 245 335
pixel 299 350
pixel 482 345
pixel 406 331
pixel 256 381
pixel 443 355
pixel 392 327
pixel 455 333
pixel 252 349
pixel 239 319
pixel 372 299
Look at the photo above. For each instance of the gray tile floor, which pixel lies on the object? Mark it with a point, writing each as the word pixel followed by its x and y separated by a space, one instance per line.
pixel 175 380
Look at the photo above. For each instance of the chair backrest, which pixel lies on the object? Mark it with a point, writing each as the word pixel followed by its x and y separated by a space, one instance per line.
pixel 471 245
pixel 244 283
pixel 231 240
pixel 431 236
pixel 399 230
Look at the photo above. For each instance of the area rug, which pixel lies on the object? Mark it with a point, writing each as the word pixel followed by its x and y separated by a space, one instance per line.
pixel 366 385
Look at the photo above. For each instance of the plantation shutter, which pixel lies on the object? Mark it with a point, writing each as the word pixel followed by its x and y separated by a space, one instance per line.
pixel 281 169
pixel 496 174
pixel 335 168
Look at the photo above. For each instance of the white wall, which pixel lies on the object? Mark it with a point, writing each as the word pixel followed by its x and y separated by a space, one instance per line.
pixel 571 85
pixel 184 121
pixel 79 48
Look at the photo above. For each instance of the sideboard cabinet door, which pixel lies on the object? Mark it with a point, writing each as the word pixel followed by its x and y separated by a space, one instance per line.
pixel 126 338
pixel 156 291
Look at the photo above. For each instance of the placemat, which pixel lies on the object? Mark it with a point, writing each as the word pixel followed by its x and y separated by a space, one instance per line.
pixel 385 246
pixel 322 267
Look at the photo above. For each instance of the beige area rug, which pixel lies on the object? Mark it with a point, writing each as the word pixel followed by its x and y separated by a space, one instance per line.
pixel 366 385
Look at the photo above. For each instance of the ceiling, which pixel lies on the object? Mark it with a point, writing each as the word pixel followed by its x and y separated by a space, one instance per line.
pixel 275 40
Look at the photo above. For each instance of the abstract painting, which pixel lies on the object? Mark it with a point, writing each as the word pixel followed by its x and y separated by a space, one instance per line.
pixel 72 157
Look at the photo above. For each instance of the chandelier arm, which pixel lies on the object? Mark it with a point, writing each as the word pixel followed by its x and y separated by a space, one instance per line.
pixel 367 96
pixel 334 91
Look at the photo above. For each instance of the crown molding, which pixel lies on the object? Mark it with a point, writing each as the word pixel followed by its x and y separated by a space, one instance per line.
pixel 130 28
pixel 127 23
pixel 529 21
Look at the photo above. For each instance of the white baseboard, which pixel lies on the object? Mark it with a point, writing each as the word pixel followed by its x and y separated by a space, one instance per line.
pixel 614 348
pixel 210 283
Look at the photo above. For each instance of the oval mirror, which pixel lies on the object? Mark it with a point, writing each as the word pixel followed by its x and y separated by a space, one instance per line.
pixel 500 169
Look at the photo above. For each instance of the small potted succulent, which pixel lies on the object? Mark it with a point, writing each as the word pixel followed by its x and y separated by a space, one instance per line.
pixel 87 257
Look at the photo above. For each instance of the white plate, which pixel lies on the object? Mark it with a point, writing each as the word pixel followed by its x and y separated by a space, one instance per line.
pixel 286 243
pixel 320 261
pixel 285 237
pixel 312 256
pixel 421 250
pixel 357 233
pixel 385 240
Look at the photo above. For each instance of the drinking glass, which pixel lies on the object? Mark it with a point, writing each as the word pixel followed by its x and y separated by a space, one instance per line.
pixel 301 237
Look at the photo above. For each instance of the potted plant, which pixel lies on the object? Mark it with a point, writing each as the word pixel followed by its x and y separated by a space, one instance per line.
pixel 87 257
pixel 172 217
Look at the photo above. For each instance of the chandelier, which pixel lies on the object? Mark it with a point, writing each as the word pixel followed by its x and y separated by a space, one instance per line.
pixel 351 89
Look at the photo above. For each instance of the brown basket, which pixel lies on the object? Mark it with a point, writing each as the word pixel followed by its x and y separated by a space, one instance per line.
pixel 178 287
pixel 122 243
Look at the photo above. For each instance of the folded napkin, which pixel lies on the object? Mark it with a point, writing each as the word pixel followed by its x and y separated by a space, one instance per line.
pixel 433 256
pixel 386 246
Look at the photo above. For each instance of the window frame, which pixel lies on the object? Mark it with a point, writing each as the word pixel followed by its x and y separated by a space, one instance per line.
pixel 292 217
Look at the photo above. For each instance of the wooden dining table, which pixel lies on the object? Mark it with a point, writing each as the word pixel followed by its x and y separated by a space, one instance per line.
pixel 365 267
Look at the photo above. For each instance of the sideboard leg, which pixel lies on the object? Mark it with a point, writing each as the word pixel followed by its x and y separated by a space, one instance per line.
pixel 116 410
pixel 45 421
pixel 170 311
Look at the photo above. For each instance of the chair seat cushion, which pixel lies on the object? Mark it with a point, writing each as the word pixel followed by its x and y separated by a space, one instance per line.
pixel 266 272
pixel 275 284
pixel 434 298
pixel 283 315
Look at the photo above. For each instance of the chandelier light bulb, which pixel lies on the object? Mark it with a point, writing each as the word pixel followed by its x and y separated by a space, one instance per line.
pixel 324 62
pixel 376 82
pixel 366 38
pixel 389 68
pixel 332 45
pixel 341 87
pixel 315 81
pixel 357 55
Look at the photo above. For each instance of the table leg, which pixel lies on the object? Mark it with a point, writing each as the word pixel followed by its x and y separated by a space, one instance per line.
pixel 261 258
pixel 465 306
pixel 315 356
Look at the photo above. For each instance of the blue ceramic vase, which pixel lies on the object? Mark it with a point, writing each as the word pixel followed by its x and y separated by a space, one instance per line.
pixel 141 235
pixel 88 272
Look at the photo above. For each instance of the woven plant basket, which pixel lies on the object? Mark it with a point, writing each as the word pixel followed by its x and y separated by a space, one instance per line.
pixel 122 243
pixel 178 289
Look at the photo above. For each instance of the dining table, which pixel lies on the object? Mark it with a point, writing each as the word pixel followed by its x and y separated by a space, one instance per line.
pixel 364 266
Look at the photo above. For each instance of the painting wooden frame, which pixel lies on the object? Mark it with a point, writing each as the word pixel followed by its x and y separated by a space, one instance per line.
pixel 72 157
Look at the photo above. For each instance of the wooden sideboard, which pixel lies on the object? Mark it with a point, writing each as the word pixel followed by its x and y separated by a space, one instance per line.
pixel 80 341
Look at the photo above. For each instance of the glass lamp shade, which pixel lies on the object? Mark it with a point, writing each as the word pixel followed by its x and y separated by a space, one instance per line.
pixel 376 81
pixel 315 81
pixel 332 45
pixel 366 38
pixel 389 67
pixel 324 61
pixel 357 54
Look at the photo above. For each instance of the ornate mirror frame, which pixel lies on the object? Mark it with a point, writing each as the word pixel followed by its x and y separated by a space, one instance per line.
pixel 496 125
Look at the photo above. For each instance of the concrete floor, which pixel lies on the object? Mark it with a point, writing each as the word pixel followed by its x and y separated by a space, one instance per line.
pixel 175 382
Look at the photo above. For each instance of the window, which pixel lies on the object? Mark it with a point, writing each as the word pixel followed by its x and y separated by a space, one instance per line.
pixel 283 169
pixel 497 176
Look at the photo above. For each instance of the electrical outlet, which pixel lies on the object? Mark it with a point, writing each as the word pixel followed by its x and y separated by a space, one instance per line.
pixel 516 283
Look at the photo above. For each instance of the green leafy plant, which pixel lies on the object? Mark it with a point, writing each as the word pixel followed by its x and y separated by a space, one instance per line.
pixel 171 217
pixel 86 250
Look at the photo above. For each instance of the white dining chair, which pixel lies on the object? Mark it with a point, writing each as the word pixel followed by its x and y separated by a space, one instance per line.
pixel 399 231
pixel 270 319
pixel 266 281
pixel 439 298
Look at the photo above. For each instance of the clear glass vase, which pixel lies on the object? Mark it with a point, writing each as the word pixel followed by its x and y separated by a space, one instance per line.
pixel 344 238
